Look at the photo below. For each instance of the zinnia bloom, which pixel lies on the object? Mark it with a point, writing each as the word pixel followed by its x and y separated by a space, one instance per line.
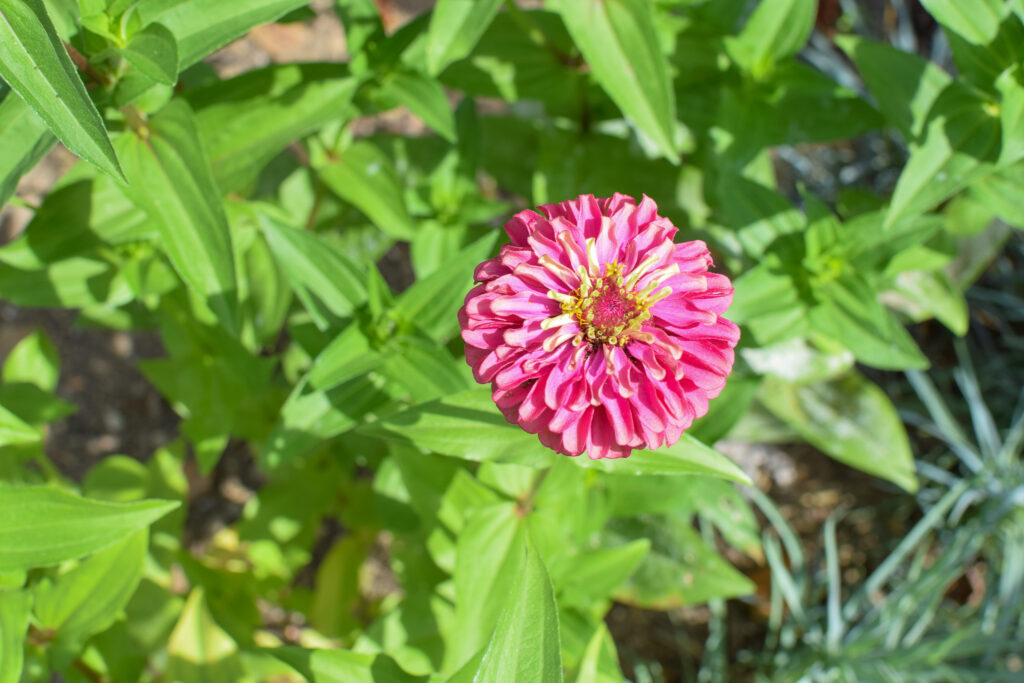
pixel 596 331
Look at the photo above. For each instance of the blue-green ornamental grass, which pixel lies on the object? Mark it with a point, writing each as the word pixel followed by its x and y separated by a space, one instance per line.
pixel 303 262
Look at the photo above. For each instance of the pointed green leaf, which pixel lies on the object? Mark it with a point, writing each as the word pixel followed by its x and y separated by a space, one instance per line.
pixel 202 26
pixel 455 28
pixel 489 558
pixel 364 176
pixel 424 97
pixel 343 666
pixel 960 143
pixel 34 62
pixel 777 29
pixel 526 645
pixel 170 179
pixel 591 576
pixel 851 420
pixel 15 431
pixel 24 139
pixel 432 303
pixel 15 607
pixel 1001 192
pixel 155 52
pixel 199 650
pixel 41 526
pixel 600 662
pixel 1011 86
pixel 246 121
pixel 905 85
pixel 619 40
pixel 90 597
pixel 34 360
pixel 320 274
pixel 686 456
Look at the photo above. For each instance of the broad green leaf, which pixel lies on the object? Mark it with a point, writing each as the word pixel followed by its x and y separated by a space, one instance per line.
pixel 15 431
pixel 343 666
pixel 468 425
pixel 976 20
pixel 202 26
pixel 321 275
pixel 797 361
pixel 170 179
pixel 933 294
pixel 36 65
pixel 90 597
pixel 489 558
pixel 411 633
pixel 199 650
pixel 1011 86
pixel 455 28
pixel 71 283
pixel 154 52
pixel 686 456
pixel 619 40
pixel 757 213
pixel 777 29
pixel 851 420
pixel 591 576
pixel 432 303
pixel 600 661
pixel 41 526
pixel 34 360
pixel 365 177
pixel 526 645
pixel 423 369
pixel 1001 192
pixel 244 122
pixel 24 139
pixel 33 405
pixel 15 607
pixel 117 478
pixel 905 85
pixel 424 97
pixel 331 399
pixel 960 143
pixel 726 410
pixel 680 568
pixel 850 314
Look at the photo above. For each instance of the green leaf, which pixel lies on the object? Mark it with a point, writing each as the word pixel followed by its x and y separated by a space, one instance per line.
pixel 600 661
pixel 960 143
pixel 199 650
pixel 686 456
pixel 365 177
pixel 41 526
pixel 15 431
pixel 777 29
pixel 1001 192
pixel 90 597
pixel 468 425
pixel 33 360
pixel 489 557
pixel 202 26
pixel 154 52
pixel 170 179
pixel 851 420
pixel 32 404
pixel 321 275
pixel 850 314
pixel 246 121
pixel 984 37
pixel 424 97
pixel 36 65
pixel 25 140
pixel 905 85
pixel 526 645
pixel 15 607
pixel 342 666
pixel 619 40
pixel 455 28
pixel 976 20
pixel 431 304
pixel 1011 86
pixel 591 576
pixel 680 568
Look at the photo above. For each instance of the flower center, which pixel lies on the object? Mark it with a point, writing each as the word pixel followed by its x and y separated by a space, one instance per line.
pixel 606 309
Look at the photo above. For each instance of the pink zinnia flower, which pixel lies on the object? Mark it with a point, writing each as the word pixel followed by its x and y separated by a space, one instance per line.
pixel 596 331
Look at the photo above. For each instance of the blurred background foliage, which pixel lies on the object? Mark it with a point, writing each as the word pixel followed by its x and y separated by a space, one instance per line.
pixel 238 440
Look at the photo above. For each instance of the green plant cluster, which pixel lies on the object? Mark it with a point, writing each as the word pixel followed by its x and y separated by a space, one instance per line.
pixel 405 531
